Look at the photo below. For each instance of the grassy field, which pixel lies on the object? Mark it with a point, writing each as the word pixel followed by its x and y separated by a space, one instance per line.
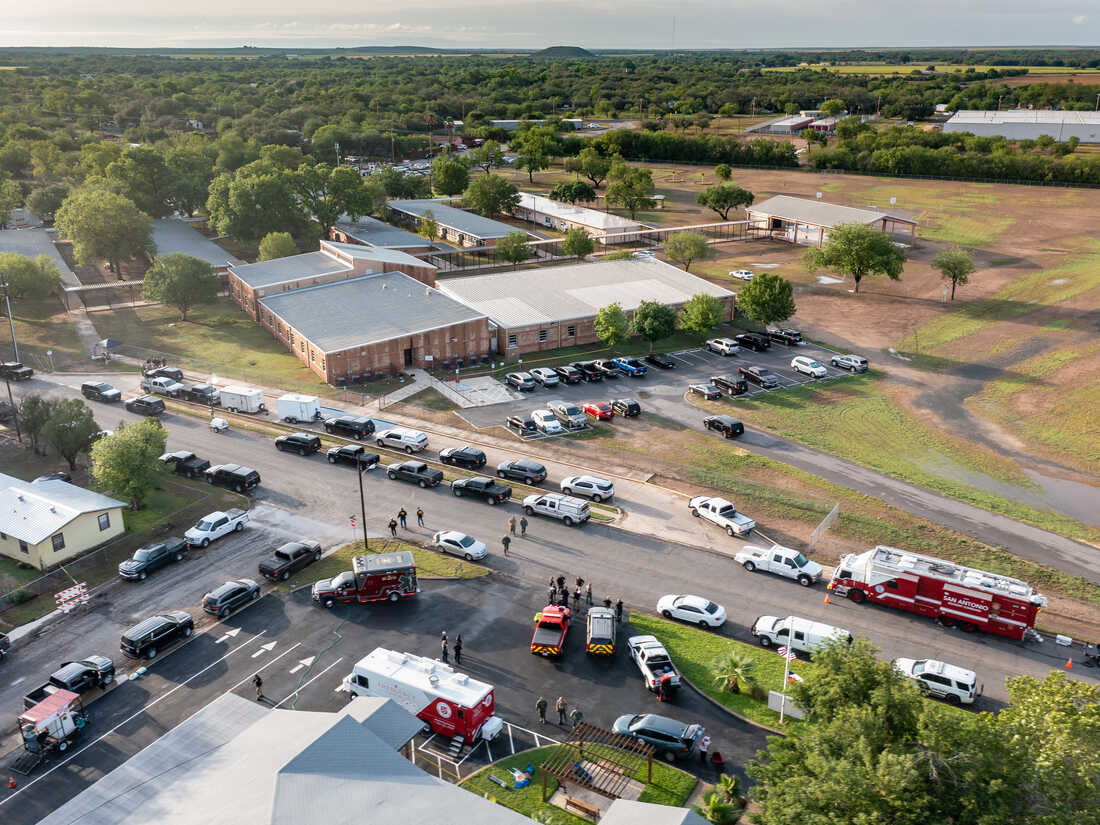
pixel 40 326
pixel 429 564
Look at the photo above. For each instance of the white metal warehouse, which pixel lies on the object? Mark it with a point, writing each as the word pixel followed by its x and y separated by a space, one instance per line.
pixel 1027 124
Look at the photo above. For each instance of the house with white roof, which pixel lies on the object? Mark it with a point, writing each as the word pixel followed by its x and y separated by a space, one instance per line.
pixel 610 229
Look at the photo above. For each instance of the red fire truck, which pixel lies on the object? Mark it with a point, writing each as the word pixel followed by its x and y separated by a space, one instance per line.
pixel 953 594
pixel 391 577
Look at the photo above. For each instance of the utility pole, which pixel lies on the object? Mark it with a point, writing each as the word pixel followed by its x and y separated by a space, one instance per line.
pixel 1097 107
pixel 11 322
pixel 14 411
pixel 362 503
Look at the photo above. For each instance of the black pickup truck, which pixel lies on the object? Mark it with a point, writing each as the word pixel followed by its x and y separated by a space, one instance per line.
pixel 150 557
pixel 415 471
pixel 79 677
pixel 290 558
pixel 481 486
pixel 15 371
pixel 185 463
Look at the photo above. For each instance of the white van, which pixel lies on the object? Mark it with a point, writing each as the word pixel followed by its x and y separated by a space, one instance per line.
pixel 800 634
pixel 570 510
pixel 402 438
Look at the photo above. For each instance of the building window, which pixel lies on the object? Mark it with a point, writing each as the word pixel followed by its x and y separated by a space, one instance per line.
pixel 571 331
pixel 104 521
pixel 23 547
pixel 543 335
pixel 59 542
pixel 322 363
pixel 302 346
pixel 513 341
pixel 312 355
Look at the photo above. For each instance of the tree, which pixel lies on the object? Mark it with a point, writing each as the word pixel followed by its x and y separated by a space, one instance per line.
pixel 701 313
pixel 653 322
pixel 514 248
pixel 535 147
pixel 71 429
pixel 11 197
pixel 103 224
pixel 44 201
pixel 28 277
pixel 717 811
pixel 488 155
pixel 857 250
pixel 142 175
pixel 490 195
pixel 725 197
pixel 630 187
pixel 34 412
pixel 450 176
pixel 832 107
pixel 578 242
pixel 128 463
pixel 429 226
pixel 573 191
pixel 181 281
pixel 259 198
pixel 398 184
pixel 591 164
pixel 767 298
pixel 612 326
pixel 723 172
pixel 685 247
pixel 955 265
pixel 327 192
pixel 277 245
pixel 191 165
pixel 734 670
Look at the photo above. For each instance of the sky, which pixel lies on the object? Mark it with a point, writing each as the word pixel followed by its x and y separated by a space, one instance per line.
pixel 524 24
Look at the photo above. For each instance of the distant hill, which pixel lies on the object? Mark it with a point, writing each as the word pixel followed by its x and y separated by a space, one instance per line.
pixel 571 52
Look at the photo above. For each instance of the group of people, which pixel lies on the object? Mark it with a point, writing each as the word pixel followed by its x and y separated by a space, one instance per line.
pixel 403 519
pixel 560 594
pixel 444 655
pixel 506 540
pixel 574 717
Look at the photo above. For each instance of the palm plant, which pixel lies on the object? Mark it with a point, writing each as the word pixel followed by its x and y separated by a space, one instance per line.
pixel 730 789
pixel 717 812
pixel 733 670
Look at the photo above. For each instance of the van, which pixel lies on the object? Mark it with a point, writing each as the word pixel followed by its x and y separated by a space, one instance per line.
pixel 570 510
pixel 796 633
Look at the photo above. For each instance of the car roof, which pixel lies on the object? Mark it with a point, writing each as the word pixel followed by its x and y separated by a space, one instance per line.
pixel 662 723
pixel 453 534
pixel 145 625
pixel 696 601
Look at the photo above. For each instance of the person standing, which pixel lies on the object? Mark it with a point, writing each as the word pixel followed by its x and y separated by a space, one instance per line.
pixel 420 516
pixel 443 651
pixel 577 599
pixel 512 525
pixel 575 717
pixel 580 582
pixel 588 593
pixel 562 706
pixel 458 649
pixel 704 746
pixel 523 526
pixel 443 636
pixel 619 611
pixel 505 542
pixel 553 599
pixel 258 683
pixel 402 516
pixel 607 602
pixel 393 527
pixel 561 582
pixel 540 708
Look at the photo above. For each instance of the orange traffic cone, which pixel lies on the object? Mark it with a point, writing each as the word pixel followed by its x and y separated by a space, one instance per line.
pixel 11 781
pixel 827 599
pixel 1069 664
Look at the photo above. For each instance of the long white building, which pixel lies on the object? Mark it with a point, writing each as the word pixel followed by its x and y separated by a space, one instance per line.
pixel 1027 124
pixel 551 214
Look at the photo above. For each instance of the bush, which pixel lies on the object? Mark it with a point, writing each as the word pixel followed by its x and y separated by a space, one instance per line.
pixel 20 596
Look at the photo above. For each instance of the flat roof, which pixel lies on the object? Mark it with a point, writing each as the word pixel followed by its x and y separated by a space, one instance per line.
pixel 367 309
pixel 35 242
pixel 559 293
pixel 1054 116
pixel 469 223
pixel 379 233
pixel 428 675
pixel 577 214
pixel 377 254
pixel 818 213
pixel 174 235
pixel 294 267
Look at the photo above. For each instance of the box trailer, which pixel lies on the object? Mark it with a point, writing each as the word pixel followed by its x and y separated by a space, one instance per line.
pixel 243 399
pixel 294 407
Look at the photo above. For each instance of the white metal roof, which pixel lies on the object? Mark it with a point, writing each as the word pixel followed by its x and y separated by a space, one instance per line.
pixel 428 675
pixel 34 242
pixel 34 511
pixel 174 235
pixel 1006 116
pixel 379 233
pixel 469 223
pixel 817 213
pixel 577 214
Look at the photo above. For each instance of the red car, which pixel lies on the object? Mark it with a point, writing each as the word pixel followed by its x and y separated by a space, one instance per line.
pixel 600 410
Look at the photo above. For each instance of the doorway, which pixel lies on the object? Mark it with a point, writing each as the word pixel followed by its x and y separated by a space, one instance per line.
pixel 408 357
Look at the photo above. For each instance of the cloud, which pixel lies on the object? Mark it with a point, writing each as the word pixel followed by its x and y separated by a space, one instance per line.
pixel 1079 19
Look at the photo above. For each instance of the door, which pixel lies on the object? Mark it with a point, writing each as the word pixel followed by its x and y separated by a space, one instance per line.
pixel 408 354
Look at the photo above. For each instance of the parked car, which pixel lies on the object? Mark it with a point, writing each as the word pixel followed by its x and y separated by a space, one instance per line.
pixel 521 381
pixel 722 346
pixel 569 374
pixel 522 469
pixel 607 368
pixel 402 438
pixel 213 526
pixel 202 394
pixel 693 609
pixel 600 410
pixel 803 635
pixel 708 391
pixel 224 599
pixel 415 471
pixel 741 274
pixel 727 425
pixel 233 477
pixel 545 376
pixel 568 413
pixel 723 513
pixel 546 422
pixel 355 454
pixel 151 557
pixel 185 463
pixel 671 739
pixel 626 407
pixel 175 373
pixel 162 385
pixel 145 405
pixel 99 391
pixel 660 361
pixel 644 253
pixel 15 371
pixel 808 366
pixel 522 424
pixel 593 487
pixel 729 385
pixel 957 685
pixel 75 677
pixel 459 544
pixel 300 443
pixel 852 363
pixel 465 456
pixel 290 558
pixel 482 486
pixel 143 640
pixel 761 376
pixel 753 341
pixel 60 475
pixel 780 560
pixel 355 426
pixel 790 337
pixel 588 370
pixel 631 366
pixel 570 510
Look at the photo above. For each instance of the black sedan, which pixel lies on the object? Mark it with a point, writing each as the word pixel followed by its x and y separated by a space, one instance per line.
pixel 522 469
pixel 223 600
pixel 660 361
pixel 353 454
pixel 725 424
pixel 465 456
pixel 708 391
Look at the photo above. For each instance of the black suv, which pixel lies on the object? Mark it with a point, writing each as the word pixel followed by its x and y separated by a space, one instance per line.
pixel 175 373
pixel 356 426
pixel 233 477
pixel 753 341
pixel 300 443
pixel 353 454
pixel 145 405
pixel 415 471
pixel 725 424
pixel 202 394
pixel 98 391
pixel 185 463
pixel 569 374
pixel 626 407
pixel 661 361
pixel 144 639
pixel 222 600
pixel 522 424
pixel 147 559
pixel 522 469
pixel 481 486
pixel 761 376
pixel 730 385
pixel 464 456
pixel 588 370
pixel 790 337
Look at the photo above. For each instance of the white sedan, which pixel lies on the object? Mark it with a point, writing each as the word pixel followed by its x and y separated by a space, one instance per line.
pixel 459 544
pixel 742 274
pixel 545 422
pixel 808 366
pixel 694 609
pixel 595 488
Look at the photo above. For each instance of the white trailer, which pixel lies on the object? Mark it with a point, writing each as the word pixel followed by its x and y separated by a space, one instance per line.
pixel 294 407
pixel 243 399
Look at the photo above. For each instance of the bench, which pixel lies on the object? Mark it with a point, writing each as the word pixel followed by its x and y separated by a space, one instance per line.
pixel 582 807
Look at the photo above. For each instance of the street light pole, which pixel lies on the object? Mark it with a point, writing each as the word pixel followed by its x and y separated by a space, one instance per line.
pixel 11 322
pixel 362 504
pixel 14 412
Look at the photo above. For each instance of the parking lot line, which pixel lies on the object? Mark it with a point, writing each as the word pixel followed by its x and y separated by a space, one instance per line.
pixel 310 682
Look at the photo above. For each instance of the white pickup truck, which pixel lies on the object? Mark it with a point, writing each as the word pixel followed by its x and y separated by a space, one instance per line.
pixel 653 661
pixel 162 385
pixel 783 561
pixel 215 525
pixel 722 513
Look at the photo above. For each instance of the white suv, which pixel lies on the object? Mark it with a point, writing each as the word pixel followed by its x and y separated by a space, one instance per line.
pixel 955 684
pixel 743 274
pixel 723 346
pixel 546 422
pixel 597 489
pixel 808 366
pixel 402 438
pixel 545 376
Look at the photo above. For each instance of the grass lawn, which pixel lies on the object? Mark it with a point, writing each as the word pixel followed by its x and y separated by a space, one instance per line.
pixel 670 786
pixel 430 399
pixel 429 564
pixel 40 326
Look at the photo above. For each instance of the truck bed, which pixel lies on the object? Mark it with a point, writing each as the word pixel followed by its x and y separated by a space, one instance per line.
pixel 550 637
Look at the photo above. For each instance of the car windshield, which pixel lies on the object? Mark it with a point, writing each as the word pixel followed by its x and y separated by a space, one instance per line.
pixel 711 608
pixel 814 365
pixel 918 667
pixel 343 580
pixel 574 411
pixel 204 525
pixel 800 560
pixel 466 541
pixel 144 554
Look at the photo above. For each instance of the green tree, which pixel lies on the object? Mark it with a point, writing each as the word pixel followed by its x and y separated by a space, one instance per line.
pixel 514 248
pixel 767 298
pixel 955 265
pixel 488 155
pixel 685 247
pixel 734 671
pixel 723 171
pixel 857 250
pixel 573 191
pixel 103 224
pixel 11 197
pixel 191 168
pixel 398 184
pixel 259 198
pixel 70 429
pixel 653 322
pixel 725 197
pixel 327 192
pixel 450 176
pixel 490 195
pixel 578 242
pixel 142 176
pixel 44 201
pixel 591 164
pixel 612 326
pixel 181 281
pixel 28 277
pixel 630 187
pixel 96 157
pixel 277 245
pixel 128 463
pixel 34 412
pixel 701 313
pixel 429 226
pixel 716 810
pixel 534 148
pixel 832 107
pixel 282 157
pixel 233 152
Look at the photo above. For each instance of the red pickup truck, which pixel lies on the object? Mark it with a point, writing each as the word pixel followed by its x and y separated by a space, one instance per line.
pixel 551 625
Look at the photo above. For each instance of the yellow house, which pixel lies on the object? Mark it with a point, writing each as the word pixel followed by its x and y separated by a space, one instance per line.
pixel 46 523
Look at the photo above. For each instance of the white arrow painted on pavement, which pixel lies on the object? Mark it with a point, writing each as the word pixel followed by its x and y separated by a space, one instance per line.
pixel 264 649
pixel 228 635
pixel 303 663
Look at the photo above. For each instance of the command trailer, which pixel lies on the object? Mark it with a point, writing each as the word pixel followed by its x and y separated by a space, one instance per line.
pixel 451 703
pixel 953 594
